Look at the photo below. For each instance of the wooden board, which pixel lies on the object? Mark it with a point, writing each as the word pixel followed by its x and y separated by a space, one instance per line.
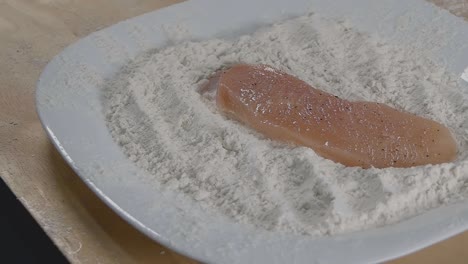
pixel 85 230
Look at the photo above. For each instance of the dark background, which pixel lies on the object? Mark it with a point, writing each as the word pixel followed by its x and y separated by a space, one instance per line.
pixel 21 239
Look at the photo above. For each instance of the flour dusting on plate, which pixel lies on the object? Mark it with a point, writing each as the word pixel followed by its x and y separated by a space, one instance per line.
pixel 162 123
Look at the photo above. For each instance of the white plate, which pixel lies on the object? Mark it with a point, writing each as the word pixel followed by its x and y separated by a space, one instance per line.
pixel 70 108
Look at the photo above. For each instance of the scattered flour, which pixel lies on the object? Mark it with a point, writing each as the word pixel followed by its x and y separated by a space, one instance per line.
pixel 154 111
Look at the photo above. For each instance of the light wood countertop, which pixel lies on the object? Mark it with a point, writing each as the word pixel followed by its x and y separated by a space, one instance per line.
pixel 84 229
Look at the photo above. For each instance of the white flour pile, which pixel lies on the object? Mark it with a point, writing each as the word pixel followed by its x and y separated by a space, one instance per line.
pixel 163 124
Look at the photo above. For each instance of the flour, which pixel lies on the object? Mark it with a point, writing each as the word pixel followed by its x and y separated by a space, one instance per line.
pixel 163 124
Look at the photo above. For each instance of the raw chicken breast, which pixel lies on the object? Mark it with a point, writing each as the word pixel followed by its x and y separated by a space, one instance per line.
pixel 363 134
